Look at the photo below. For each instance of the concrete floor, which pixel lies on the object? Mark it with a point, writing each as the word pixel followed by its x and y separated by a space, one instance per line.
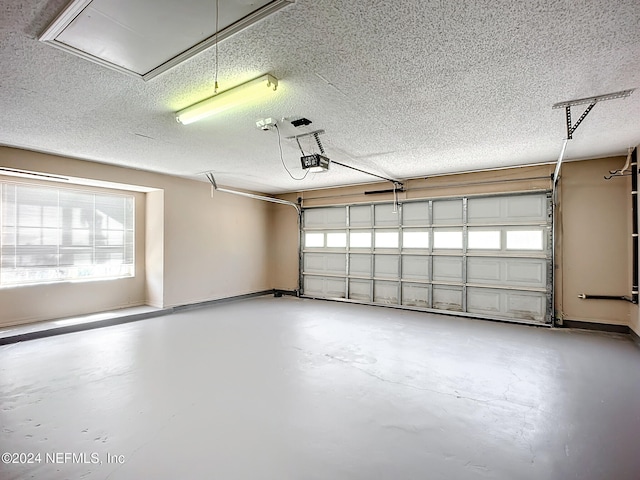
pixel 285 388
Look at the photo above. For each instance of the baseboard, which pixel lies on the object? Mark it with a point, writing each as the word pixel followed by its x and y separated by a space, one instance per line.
pixel 601 327
pixel 217 301
pixel 29 333
pixel 51 328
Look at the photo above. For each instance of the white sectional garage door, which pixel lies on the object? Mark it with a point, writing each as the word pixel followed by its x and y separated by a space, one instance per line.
pixel 487 256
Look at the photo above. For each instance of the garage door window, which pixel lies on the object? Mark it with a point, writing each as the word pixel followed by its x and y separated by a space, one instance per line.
pixel 447 239
pixel 360 239
pixel 484 240
pixel 387 239
pixel 524 240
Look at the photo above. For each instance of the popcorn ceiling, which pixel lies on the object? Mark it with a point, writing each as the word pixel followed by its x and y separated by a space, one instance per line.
pixel 405 88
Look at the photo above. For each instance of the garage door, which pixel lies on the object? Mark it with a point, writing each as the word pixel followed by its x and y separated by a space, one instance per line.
pixel 487 257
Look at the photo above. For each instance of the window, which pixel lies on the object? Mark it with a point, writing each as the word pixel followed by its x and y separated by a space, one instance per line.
pixel 524 240
pixel 337 240
pixel 386 239
pixel 314 240
pixel 360 239
pixel 52 234
pixel 415 239
pixel 484 239
pixel 447 239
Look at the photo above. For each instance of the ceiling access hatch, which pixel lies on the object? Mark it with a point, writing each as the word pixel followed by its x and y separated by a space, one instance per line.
pixel 144 38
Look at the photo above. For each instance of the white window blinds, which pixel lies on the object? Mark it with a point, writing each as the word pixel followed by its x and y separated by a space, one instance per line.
pixel 50 234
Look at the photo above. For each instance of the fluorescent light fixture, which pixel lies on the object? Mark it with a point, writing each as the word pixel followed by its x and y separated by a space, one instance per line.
pixel 315 163
pixel 244 93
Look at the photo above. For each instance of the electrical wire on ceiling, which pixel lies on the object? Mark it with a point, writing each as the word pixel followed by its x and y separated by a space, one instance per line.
pixel 282 157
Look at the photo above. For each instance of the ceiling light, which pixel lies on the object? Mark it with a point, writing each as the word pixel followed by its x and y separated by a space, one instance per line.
pixel 244 93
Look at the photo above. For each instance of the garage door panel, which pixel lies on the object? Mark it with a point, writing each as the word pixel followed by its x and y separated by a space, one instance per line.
pixel 360 265
pixel 325 287
pixel 360 290
pixel 386 266
pixel 415 267
pixel 324 263
pixel 314 263
pixel 447 269
pixel 385 292
pixel 447 298
pixel 335 287
pixel 508 209
pixel 527 208
pixel 518 305
pixel 484 270
pixel 529 272
pixel 325 217
pixel 335 263
pixel 520 272
pixel 484 210
pixel 447 212
pixel 526 306
pixel 385 216
pixel 314 286
pixel 415 295
pixel 415 213
pixel 360 216
pixel 484 300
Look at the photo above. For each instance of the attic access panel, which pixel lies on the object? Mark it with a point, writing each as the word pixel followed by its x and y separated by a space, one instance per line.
pixel 144 38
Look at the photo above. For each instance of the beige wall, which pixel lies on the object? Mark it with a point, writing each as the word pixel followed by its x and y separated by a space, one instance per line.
pixel 283 249
pixel 594 229
pixel 154 249
pixel 595 242
pixel 214 248
pixel 197 248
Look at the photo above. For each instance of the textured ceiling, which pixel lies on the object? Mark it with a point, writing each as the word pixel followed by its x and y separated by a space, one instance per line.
pixel 404 89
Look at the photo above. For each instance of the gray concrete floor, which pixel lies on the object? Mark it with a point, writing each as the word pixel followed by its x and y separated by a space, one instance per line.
pixel 286 388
